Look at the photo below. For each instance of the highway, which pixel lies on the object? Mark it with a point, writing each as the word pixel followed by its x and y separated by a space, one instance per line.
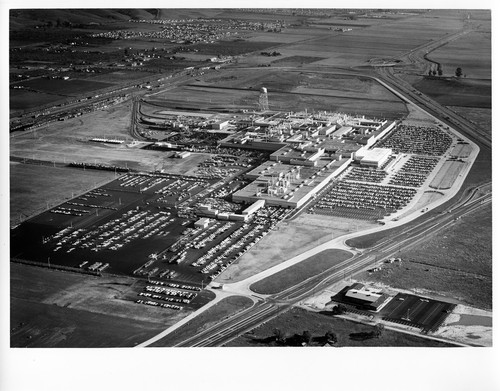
pixel 273 305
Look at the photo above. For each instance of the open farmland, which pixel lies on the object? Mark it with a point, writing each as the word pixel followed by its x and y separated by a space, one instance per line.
pixel 472 53
pixel 357 47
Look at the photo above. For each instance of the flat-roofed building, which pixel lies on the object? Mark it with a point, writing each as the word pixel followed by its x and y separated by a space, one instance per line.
pixel 202 223
pixel 369 298
pixel 375 157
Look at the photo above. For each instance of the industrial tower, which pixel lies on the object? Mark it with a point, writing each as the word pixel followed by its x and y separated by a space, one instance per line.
pixel 263 101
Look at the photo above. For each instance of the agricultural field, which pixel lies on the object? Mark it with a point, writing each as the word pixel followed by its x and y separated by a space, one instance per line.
pixel 33 186
pixel 359 46
pixel 456 263
pixel 297 320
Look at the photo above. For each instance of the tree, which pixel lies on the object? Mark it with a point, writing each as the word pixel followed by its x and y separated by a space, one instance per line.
pixel 430 72
pixel 331 337
pixel 306 337
pixel 339 309
pixel 379 329
pixel 458 72
pixel 279 335
pixel 434 72
pixel 440 72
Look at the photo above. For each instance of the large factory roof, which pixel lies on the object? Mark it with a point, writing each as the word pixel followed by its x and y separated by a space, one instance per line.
pixel 375 154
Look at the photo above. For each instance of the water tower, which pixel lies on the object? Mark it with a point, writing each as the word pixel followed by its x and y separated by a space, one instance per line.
pixel 263 101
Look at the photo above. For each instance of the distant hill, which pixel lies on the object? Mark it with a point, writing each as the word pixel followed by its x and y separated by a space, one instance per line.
pixel 25 18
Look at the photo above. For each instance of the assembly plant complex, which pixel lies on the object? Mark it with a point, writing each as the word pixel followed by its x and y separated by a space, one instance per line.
pixel 267 166
pixel 250 177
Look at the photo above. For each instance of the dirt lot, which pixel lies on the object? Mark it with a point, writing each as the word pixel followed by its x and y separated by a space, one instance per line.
pixel 456 263
pixel 296 320
pixel 292 238
pixel 32 186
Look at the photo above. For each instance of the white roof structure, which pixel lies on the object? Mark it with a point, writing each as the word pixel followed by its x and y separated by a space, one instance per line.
pixel 365 294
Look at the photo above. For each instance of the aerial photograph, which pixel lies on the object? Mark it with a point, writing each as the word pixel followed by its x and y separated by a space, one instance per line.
pixel 246 178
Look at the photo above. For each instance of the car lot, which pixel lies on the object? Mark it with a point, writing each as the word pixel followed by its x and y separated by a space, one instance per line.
pixel 130 227
pixel 417 140
pixel 415 311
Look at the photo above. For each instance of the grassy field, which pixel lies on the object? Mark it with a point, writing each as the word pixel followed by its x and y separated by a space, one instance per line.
pixel 32 186
pixel 455 263
pixel 24 100
pixel 477 115
pixel 300 271
pixel 64 87
pixel 457 92
pixel 297 320
pixel 223 309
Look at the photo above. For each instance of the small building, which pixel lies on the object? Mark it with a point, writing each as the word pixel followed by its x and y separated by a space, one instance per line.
pixel 202 223
pixel 254 207
pixel 219 125
pixel 369 298
pixel 182 155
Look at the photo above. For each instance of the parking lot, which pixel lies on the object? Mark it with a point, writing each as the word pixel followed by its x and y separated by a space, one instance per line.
pixel 415 311
pixel 417 140
pixel 361 200
pixel 143 225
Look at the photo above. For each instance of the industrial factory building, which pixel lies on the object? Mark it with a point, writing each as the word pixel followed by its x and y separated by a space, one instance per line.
pixel 375 157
